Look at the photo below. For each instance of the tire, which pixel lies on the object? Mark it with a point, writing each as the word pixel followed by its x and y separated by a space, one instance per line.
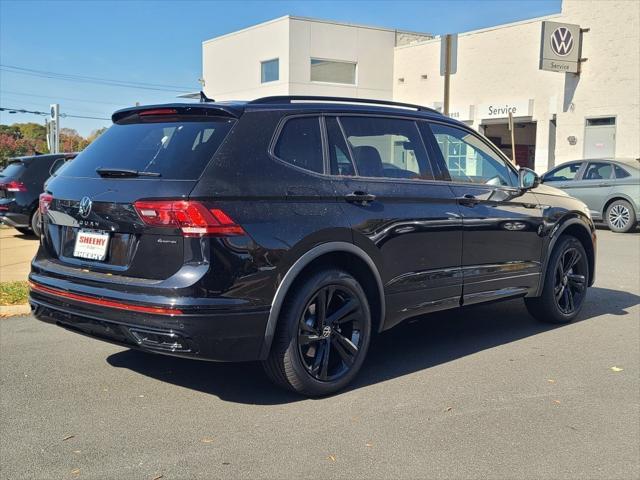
pixel 24 230
pixel 36 225
pixel 620 216
pixel 315 354
pixel 565 283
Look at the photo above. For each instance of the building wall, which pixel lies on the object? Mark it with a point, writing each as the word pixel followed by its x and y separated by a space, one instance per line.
pixel 609 82
pixel 231 63
pixel 499 66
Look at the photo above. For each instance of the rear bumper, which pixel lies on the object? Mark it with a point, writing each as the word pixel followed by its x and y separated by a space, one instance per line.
pixel 229 336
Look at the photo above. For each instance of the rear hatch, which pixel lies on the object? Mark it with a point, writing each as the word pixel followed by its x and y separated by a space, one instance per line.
pixel 10 178
pixel 112 211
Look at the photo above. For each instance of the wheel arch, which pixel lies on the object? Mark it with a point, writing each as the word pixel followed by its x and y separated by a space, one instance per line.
pixel 613 198
pixel 340 254
pixel 585 233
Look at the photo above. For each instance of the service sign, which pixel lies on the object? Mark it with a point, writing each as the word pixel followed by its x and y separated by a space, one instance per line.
pixel 560 47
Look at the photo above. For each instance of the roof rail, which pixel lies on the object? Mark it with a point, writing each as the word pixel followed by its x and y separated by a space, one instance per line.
pixel 314 98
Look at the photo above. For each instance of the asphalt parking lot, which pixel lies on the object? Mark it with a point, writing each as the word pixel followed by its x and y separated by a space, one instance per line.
pixel 485 392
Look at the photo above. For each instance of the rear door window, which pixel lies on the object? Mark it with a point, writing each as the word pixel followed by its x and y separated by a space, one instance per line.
pixel 300 144
pixel 598 171
pixel 386 147
pixel 177 150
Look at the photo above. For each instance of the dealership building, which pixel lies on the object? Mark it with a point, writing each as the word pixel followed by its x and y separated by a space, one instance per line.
pixel 523 68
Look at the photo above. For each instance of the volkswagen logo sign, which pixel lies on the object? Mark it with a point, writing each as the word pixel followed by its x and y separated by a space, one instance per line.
pixel 562 41
pixel 85 207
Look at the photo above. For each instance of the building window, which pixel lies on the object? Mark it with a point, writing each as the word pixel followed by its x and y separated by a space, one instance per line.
pixel 333 71
pixel 270 70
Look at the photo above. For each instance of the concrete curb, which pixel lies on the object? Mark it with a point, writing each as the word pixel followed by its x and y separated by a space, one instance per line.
pixel 14 310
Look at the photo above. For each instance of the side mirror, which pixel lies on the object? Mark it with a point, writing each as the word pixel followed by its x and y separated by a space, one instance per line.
pixel 528 179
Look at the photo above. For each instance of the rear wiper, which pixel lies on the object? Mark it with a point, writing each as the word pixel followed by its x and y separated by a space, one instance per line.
pixel 124 173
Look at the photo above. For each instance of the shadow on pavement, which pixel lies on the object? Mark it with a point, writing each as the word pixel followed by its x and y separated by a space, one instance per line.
pixel 412 346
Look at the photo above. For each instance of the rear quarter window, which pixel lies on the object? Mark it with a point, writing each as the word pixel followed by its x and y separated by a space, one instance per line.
pixel 177 150
pixel 300 144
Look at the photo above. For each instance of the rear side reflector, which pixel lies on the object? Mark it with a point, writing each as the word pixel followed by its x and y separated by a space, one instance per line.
pixel 13 186
pixel 36 287
pixel 193 218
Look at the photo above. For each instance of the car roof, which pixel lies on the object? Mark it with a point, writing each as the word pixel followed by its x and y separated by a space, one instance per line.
pixel 316 104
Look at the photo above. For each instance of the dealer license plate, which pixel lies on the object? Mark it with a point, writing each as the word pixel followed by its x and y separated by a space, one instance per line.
pixel 91 244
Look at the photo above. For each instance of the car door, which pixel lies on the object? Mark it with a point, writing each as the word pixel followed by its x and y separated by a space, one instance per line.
pixel 406 220
pixel 502 225
pixel 593 186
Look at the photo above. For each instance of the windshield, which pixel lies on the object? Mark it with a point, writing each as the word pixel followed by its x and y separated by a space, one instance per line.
pixel 177 150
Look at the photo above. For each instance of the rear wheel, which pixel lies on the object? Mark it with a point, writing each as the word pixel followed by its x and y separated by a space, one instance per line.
pixel 322 335
pixel 565 283
pixel 36 225
pixel 620 216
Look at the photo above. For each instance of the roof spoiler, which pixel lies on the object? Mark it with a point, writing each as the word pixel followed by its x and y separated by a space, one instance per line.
pixel 204 109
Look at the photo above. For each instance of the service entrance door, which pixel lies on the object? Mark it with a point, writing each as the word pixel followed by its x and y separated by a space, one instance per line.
pixel 600 138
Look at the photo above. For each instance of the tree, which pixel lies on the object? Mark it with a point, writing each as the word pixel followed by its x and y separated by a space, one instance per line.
pixel 96 133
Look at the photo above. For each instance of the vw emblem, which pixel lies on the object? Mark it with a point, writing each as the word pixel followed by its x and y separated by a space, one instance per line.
pixel 85 207
pixel 326 331
pixel 561 41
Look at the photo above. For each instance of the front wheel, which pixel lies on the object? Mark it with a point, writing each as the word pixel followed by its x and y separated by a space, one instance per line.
pixel 620 216
pixel 565 283
pixel 322 335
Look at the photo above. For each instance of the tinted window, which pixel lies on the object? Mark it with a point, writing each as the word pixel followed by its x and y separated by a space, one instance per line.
pixel 469 159
pixel 300 144
pixel 563 173
pixel 621 172
pixel 597 171
pixel 176 150
pixel 386 147
pixel 270 70
pixel 13 170
pixel 338 152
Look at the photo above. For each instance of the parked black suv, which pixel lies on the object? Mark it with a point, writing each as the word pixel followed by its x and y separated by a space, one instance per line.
pixel 292 229
pixel 21 183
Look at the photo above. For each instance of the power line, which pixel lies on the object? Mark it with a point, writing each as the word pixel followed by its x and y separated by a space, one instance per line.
pixel 35 112
pixel 87 79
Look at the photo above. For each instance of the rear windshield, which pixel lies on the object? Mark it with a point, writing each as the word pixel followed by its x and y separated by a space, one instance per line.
pixel 177 150
pixel 13 170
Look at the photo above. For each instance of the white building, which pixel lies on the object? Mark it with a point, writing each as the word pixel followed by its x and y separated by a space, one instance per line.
pixel 559 116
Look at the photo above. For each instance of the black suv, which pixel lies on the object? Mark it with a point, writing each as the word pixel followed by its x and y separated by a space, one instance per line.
pixel 292 229
pixel 21 183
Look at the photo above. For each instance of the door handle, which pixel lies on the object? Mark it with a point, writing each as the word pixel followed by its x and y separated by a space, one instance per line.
pixel 360 197
pixel 604 184
pixel 468 200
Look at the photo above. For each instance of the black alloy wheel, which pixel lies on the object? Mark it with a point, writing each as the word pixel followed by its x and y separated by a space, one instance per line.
pixel 330 333
pixel 570 281
pixel 323 334
pixel 565 284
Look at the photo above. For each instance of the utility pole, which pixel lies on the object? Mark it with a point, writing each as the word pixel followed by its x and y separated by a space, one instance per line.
pixel 53 129
pixel 447 72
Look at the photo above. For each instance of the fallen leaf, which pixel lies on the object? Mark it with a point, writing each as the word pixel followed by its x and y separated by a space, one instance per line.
pixel 551 380
pixel 140 396
pixel 226 463
pixel 368 444
pixel 75 471
pixel 448 409
pixel 332 458
pixel 617 369
pixel 76 451
pixel 557 402
pixel 68 438
pixel 207 440
pixel 158 477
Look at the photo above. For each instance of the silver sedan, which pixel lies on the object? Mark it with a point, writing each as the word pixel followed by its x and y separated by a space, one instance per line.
pixel 610 188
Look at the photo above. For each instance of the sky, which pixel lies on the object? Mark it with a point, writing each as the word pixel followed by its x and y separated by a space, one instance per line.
pixel 157 44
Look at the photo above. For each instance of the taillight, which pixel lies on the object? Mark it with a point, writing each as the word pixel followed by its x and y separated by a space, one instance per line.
pixel 14 186
pixel 193 218
pixel 45 202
